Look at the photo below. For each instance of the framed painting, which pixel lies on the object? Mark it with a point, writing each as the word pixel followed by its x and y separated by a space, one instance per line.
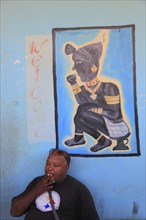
pixel 94 72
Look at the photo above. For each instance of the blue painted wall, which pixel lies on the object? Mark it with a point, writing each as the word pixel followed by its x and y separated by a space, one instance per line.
pixel 117 184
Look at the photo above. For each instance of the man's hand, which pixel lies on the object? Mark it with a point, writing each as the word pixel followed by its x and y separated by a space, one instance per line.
pixel 44 184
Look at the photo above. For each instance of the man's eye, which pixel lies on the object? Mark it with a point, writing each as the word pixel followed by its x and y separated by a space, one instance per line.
pixel 78 62
pixel 56 165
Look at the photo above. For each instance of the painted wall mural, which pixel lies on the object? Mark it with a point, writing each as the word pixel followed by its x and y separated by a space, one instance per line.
pixel 95 91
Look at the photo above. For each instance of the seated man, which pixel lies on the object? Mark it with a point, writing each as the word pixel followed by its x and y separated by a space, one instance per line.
pixel 55 195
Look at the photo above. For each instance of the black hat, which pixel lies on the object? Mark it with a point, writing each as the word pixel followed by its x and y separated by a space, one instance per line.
pixel 90 53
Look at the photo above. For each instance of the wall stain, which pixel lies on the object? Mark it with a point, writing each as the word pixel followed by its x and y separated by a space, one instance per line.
pixel 16 102
pixel 135 208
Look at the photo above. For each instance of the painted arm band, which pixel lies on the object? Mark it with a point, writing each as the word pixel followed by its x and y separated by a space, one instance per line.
pixel 112 100
pixel 97 110
pixel 76 89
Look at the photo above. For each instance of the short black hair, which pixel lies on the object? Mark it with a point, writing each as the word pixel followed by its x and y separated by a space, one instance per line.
pixel 61 153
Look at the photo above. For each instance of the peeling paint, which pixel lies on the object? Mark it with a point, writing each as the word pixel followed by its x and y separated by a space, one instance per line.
pixel 16 62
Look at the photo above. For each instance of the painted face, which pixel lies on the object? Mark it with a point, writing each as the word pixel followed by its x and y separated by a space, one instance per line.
pixel 57 166
pixel 83 69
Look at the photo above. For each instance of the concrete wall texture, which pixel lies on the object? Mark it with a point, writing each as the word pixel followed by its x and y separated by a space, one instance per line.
pixel 116 183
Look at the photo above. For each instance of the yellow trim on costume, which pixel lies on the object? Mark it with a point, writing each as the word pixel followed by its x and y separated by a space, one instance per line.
pixel 99 137
pixel 92 91
pixel 97 110
pixel 94 69
pixel 79 134
pixel 76 89
pixel 100 110
pixel 111 100
pixel 92 82
pixel 76 86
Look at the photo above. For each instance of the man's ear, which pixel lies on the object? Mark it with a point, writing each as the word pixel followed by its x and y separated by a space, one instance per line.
pixel 67 167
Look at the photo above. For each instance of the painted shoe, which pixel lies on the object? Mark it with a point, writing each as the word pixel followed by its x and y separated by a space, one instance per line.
pixel 72 142
pixel 101 145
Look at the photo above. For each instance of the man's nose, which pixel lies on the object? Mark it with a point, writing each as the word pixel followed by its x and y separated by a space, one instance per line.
pixel 49 167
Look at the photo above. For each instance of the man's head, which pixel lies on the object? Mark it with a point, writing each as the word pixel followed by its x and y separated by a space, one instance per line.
pixel 57 164
pixel 86 60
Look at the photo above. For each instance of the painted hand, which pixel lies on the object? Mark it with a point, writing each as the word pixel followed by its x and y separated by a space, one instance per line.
pixel 71 79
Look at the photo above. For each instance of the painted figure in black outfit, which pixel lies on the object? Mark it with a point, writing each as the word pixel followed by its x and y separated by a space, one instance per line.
pixel 99 103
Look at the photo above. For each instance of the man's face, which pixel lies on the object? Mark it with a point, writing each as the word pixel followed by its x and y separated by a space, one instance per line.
pixel 83 69
pixel 57 166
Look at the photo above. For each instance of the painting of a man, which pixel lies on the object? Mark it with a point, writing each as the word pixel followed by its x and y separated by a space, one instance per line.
pixel 95 91
pixel 99 103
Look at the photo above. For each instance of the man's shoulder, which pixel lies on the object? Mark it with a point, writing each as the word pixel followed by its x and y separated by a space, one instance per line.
pixel 38 178
pixel 77 182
